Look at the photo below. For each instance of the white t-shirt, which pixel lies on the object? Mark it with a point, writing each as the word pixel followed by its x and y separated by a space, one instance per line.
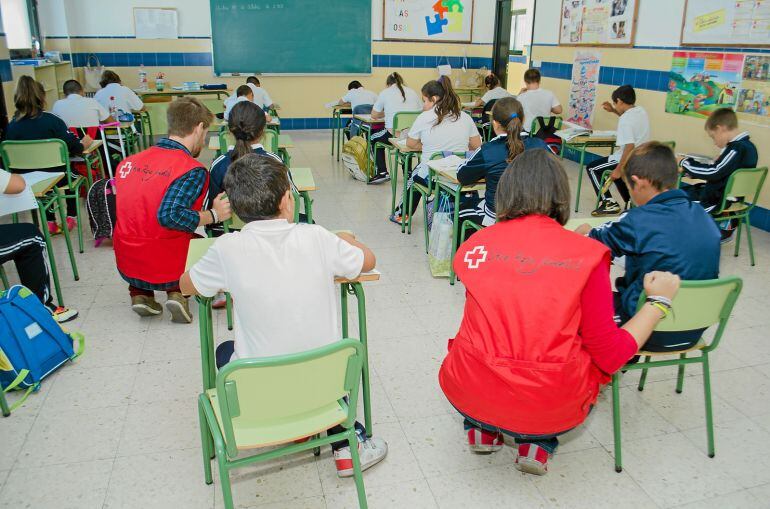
pixel 261 97
pixel 79 111
pixel 633 127
pixel 125 98
pixel 5 179
pixel 230 102
pixel 359 96
pixel 451 135
pixel 281 277
pixel 391 102
pixel 537 103
pixel 496 93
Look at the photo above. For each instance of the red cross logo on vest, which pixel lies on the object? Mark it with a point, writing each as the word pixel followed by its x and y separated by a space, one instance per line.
pixel 125 169
pixel 476 257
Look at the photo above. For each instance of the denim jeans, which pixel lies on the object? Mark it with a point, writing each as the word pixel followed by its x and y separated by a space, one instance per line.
pixel 547 442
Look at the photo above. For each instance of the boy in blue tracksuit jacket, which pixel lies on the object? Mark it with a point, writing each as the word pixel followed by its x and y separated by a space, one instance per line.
pixel 666 232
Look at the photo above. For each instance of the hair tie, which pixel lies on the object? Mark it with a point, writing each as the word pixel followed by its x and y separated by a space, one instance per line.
pixel 513 115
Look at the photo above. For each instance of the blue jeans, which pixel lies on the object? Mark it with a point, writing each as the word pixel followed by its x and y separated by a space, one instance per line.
pixel 547 442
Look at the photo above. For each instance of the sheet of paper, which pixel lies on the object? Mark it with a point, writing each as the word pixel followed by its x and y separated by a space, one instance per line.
pixel 447 163
pixel 12 203
pixel 330 104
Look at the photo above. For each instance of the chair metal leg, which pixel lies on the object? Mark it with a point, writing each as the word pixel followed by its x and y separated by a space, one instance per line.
pixel 6 411
pixel 580 176
pixel 425 231
pixel 707 395
pixel 206 445
pixel 4 278
pixel 357 474
pixel 680 375
pixel 66 232
pixel 224 477
pixel 738 237
pixel 643 378
pixel 229 310
pixel 344 309
pixel 616 420
pixel 455 236
pixel 361 300
pixel 51 255
pixel 748 237
pixel 79 218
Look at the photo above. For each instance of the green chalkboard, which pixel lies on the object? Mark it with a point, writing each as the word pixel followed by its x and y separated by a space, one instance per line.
pixel 292 36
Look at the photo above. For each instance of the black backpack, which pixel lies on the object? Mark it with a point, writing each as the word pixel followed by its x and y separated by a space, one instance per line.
pixel 101 209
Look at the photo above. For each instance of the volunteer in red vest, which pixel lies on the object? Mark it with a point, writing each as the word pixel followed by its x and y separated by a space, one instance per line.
pixel 159 199
pixel 538 337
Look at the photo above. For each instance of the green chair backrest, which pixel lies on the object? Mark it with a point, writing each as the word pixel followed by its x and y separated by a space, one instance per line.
pixel 744 183
pixel 34 154
pixel 215 105
pixel 281 390
pixel 404 120
pixel 157 113
pixel 701 304
pixel 226 140
pixel 270 141
pixel 535 125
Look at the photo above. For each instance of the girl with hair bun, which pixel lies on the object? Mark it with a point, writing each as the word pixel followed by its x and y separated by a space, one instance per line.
pixel 494 90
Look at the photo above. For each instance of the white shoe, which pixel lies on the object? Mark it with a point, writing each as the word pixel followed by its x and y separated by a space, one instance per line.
pixel 371 451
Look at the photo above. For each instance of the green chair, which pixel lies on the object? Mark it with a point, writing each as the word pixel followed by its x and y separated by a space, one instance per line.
pixel 270 141
pixel 745 183
pixel 156 116
pixel 469 225
pixel 425 192
pixel 401 121
pixel 698 305
pixel 536 124
pixel 145 127
pixel 310 392
pixel 4 278
pixel 606 175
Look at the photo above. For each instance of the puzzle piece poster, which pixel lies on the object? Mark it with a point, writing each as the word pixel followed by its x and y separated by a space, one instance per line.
pixel 428 20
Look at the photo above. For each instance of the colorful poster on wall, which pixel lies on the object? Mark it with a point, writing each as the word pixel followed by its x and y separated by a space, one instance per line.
pixel 582 95
pixel 428 20
pixel 753 104
pixel 700 83
pixel 593 22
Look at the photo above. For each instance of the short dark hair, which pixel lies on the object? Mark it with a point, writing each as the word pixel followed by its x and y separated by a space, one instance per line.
pixel 534 183
pixel 72 87
pixel 625 93
pixel 243 90
pixel 491 81
pixel 655 162
pixel 255 187
pixel 724 117
pixel 532 76
pixel 109 77
pixel 184 114
pixel 253 80
pixel 354 84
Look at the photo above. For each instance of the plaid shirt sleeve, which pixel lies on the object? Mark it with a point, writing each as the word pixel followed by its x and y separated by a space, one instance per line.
pixel 176 210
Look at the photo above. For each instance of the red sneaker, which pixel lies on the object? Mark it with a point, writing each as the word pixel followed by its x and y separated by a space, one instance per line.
pixel 532 459
pixel 53 228
pixel 483 441
pixel 71 222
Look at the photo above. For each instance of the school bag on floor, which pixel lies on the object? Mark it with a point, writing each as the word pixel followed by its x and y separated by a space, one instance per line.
pixel 101 209
pixel 356 160
pixel 440 240
pixel 32 344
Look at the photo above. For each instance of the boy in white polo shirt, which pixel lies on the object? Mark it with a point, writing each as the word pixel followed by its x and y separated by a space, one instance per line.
pixel 273 266
pixel 79 111
pixel 537 101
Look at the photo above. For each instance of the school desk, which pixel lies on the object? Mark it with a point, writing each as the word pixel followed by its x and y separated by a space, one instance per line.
pixel 337 115
pixel 445 178
pixel 195 252
pixel 303 179
pixel 403 155
pixel 470 92
pixel 366 127
pixel 284 144
pixel 151 92
pixel 93 158
pixel 581 144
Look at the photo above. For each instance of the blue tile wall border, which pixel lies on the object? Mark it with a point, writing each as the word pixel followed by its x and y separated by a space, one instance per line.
pixel 643 79
pixel 5 70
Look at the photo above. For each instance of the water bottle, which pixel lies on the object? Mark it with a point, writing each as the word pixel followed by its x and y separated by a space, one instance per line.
pixel 142 78
pixel 114 109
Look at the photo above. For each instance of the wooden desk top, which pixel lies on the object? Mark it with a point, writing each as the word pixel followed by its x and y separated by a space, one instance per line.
pixel 92 147
pixel 42 187
pixel 303 179
pixel 592 221
pixel 198 248
pixel 214 143
pixel 590 139
pixel 367 119
pixel 285 141
pixel 171 91
pixel 692 181
pixel 401 145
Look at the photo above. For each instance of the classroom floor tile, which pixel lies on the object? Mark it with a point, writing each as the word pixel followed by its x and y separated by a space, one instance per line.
pixel 119 428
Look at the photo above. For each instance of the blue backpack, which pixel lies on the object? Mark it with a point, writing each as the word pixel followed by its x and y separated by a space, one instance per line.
pixel 32 344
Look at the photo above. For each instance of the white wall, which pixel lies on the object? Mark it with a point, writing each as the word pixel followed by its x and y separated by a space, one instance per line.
pixel 115 17
pixel 659 22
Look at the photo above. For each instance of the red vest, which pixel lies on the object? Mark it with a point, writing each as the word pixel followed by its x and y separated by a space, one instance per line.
pixel 144 249
pixel 517 361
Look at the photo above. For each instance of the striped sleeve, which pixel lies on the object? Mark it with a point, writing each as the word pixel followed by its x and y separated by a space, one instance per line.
pixel 473 169
pixel 720 169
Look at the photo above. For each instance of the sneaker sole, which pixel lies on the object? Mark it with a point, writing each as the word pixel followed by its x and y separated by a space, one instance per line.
pixel 530 466
pixel 178 313
pixel 68 319
pixel 348 472
pixel 145 310
pixel 485 449
pixel 603 213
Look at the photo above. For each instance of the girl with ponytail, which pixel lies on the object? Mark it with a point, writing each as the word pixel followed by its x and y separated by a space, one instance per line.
pixel 491 161
pixel 494 90
pixel 441 127
pixel 394 99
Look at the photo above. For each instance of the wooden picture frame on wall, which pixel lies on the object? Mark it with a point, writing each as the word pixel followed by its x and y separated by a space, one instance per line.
pixel 721 42
pixel 416 8
pixel 634 9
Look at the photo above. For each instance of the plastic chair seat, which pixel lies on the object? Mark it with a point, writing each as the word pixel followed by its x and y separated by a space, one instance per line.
pixel 700 345
pixel 250 435
pixel 737 206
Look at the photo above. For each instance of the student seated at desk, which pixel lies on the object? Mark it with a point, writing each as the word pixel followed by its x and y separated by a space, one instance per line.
pixel 243 93
pixel 296 267
pixel 361 102
pixel 737 151
pixel 79 111
pixel 32 122
pixel 494 90
pixel 537 101
pixel 23 244
pixel 394 99
pixel 489 162
pixel 259 95
pixel 114 95
pixel 537 339
pixel 665 231
pixel 441 127
pixel 633 130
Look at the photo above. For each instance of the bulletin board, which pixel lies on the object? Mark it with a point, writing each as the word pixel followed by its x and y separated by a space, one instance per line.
pixel 598 22
pixel 428 20
pixel 743 23
pixel 156 23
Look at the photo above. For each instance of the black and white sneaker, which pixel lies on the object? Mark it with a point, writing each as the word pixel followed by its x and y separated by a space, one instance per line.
pixel 606 208
pixel 379 178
